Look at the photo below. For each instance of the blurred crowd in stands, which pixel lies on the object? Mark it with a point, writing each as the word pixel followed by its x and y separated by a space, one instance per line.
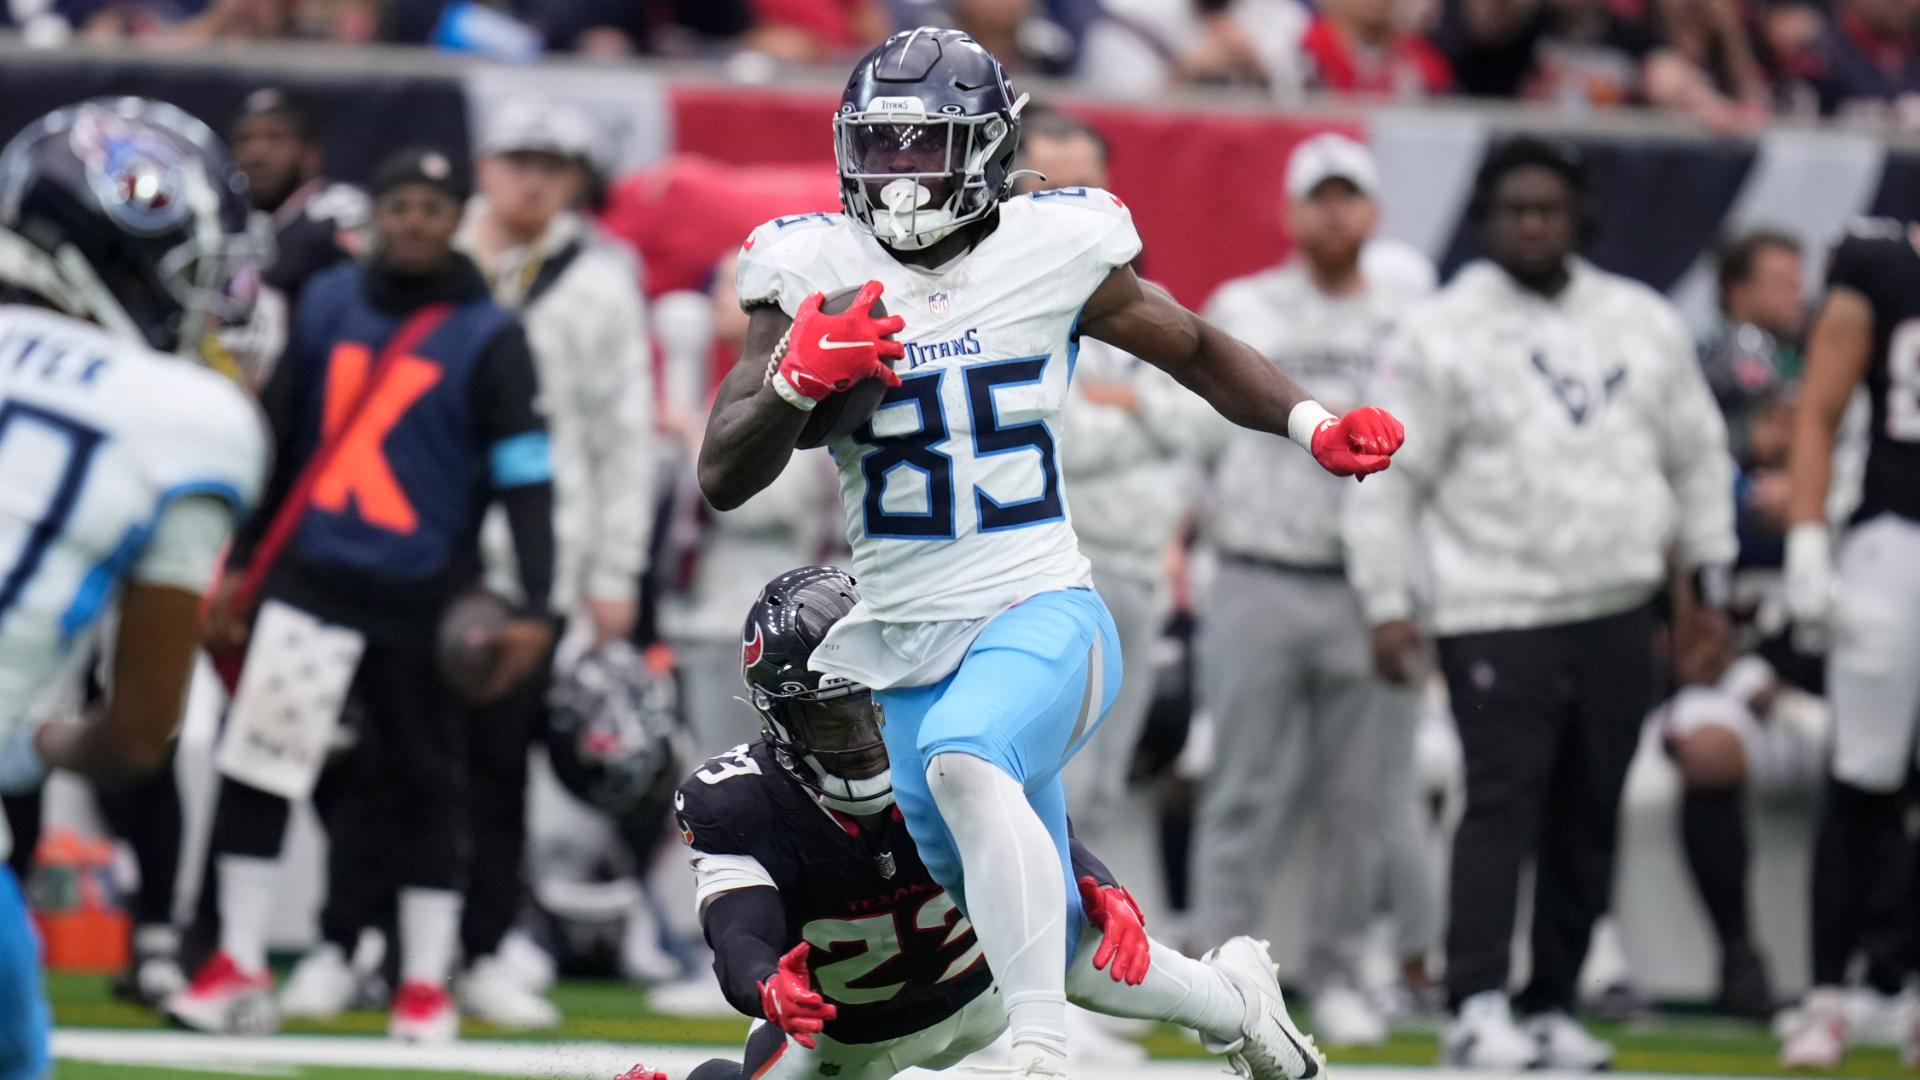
pixel 1730 64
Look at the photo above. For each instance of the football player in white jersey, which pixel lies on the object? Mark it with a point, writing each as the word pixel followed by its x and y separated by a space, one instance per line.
pixel 124 246
pixel 979 631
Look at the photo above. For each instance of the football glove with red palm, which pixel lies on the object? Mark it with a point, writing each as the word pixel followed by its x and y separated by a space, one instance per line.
pixel 824 354
pixel 790 1001
pixel 1357 444
pixel 1123 942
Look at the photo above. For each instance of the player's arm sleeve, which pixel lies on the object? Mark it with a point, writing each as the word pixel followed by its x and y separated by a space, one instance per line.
pixel 277 403
pixel 745 928
pixel 185 546
pixel 1380 518
pixel 519 457
pixel 1694 454
pixel 619 441
pixel 1087 864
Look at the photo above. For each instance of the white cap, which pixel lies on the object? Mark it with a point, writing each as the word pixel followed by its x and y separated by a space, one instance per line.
pixel 1329 156
pixel 541 125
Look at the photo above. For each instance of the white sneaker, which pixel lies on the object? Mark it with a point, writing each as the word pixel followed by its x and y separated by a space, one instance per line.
pixel 1344 1017
pixel 1483 1036
pixel 1092 1047
pixel 321 986
pixel 531 966
pixel 423 1013
pixel 488 991
pixel 697 995
pixel 1565 1045
pixel 1270 1046
pixel 1818 1034
pixel 224 1000
pixel 1877 1019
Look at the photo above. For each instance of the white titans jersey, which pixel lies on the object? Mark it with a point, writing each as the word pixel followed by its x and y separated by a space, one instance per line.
pixel 954 502
pixel 97 437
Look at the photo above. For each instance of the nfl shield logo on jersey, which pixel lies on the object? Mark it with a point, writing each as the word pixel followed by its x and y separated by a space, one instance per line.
pixel 939 302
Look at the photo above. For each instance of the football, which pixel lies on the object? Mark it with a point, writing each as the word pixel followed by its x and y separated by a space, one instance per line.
pixel 839 414
pixel 464 664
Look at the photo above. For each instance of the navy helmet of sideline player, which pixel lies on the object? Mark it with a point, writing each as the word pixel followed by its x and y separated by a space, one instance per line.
pixel 123 240
pixel 825 923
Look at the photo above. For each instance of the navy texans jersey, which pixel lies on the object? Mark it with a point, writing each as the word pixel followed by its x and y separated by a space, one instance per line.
pixel 1880 259
pixel 889 948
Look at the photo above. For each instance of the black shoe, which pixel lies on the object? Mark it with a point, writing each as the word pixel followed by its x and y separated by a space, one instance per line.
pixel 155 974
pixel 1745 989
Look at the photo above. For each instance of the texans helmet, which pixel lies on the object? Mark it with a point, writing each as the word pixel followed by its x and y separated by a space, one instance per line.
pixel 610 732
pixel 825 730
pixel 129 213
pixel 925 137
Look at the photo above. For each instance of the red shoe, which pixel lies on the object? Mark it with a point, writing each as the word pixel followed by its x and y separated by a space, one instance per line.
pixel 641 1072
pixel 423 1013
pixel 224 1000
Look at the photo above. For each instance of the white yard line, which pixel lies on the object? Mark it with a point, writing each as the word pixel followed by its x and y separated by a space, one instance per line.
pixel 282 1055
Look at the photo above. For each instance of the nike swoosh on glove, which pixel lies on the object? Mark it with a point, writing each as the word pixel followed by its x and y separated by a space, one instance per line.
pixel 1359 443
pixel 1123 941
pixel 791 1002
pixel 828 353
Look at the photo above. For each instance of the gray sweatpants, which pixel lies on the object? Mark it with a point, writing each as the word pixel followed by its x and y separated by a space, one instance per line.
pixel 1307 747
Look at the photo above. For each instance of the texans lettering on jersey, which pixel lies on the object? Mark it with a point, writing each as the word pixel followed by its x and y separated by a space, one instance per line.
pixel 97 438
pixel 954 502
pixel 1880 259
pixel 889 948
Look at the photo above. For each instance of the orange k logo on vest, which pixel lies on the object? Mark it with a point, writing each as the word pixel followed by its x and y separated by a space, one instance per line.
pixel 359 467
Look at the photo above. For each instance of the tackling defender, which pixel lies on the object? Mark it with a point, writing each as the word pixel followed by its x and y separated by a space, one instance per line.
pixel 979 631
pixel 824 921
pixel 124 247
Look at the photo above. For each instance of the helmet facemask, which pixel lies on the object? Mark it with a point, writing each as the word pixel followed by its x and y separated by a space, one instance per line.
pixel 912 178
pixel 829 740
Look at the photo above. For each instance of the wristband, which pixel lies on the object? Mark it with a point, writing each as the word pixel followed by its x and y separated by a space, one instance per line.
pixel 779 382
pixel 1304 421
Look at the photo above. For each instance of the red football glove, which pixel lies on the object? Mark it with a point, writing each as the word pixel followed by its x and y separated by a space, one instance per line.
pixel 828 353
pixel 791 1002
pixel 1123 942
pixel 1358 443
pixel 641 1072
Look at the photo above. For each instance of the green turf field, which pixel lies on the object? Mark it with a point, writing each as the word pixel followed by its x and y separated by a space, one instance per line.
pixel 610 1012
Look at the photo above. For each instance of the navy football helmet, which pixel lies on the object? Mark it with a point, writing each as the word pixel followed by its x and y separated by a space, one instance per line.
pixel 925 137
pixel 825 730
pixel 130 214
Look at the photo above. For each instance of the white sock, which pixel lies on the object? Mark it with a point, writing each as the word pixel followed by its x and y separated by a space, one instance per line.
pixel 1016 897
pixel 429 934
pixel 1178 989
pixel 246 905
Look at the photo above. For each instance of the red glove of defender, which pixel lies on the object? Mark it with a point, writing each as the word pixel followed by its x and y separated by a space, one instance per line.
pixel 790 1001
pixel 1112 911
pixel 828 353
pixel 641 1072
pixel 1358 443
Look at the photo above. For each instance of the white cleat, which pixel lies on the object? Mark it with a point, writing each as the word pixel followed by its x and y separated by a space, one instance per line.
pixel 1270 1046
pixel 423 1013
pixel 489 991
pixel 1818 1033
pixel 321 987
pixel 1484 1036
pixel 223 1000
pixel 1345 1017
pixel 1565 1046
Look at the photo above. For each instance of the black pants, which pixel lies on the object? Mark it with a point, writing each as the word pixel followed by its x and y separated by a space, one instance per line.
pixel 1548 719
pixel 500 738
pixel 146 814
pixel 400 807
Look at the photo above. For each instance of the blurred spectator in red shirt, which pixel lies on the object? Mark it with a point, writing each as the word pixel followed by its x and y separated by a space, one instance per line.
pixel 1709 68
pixel 1577 52
pixel 1359 47
pixel 1867 64
pixel 808 31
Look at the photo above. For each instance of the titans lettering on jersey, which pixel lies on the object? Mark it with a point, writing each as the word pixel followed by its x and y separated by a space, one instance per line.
pixel 889 948
pixel 954 503
pixel 97 438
